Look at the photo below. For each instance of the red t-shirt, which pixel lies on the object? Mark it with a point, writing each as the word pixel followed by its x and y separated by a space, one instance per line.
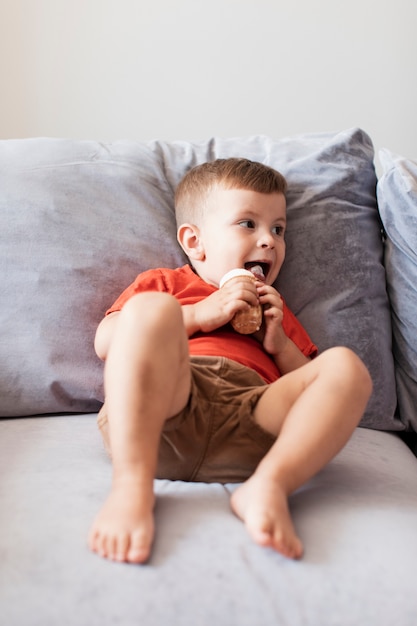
pixel 189 288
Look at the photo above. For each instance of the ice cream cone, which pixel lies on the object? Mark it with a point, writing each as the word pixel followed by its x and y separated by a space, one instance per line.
pixel 247 321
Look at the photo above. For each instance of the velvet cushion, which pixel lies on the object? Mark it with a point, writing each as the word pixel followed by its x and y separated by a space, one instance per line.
pixel 80 219
pixel 397 199
pixel 333 277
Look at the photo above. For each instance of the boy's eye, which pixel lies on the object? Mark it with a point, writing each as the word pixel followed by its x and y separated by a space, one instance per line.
pixel 278 230
pixel 247 224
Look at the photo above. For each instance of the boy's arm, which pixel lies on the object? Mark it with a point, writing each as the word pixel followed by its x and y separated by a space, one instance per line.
pixel 190 322
pixel 289 357
pixel 286 354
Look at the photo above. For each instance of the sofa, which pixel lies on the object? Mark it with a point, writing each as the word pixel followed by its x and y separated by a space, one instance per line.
pixel 79 219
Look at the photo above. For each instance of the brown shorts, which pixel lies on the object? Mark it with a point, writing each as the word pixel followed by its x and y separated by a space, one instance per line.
pixel 214 438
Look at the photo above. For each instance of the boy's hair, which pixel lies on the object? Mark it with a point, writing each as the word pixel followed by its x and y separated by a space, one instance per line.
pixel 194 189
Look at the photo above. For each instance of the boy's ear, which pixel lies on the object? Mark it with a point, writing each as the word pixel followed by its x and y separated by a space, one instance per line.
pixel 188 236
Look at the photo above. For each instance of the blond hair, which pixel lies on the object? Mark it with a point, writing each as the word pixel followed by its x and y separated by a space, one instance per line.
pixel 193 191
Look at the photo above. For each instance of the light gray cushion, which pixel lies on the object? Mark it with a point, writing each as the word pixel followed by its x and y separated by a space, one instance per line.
pixel 356 518
pixel 333 277
pixel 397 199
pixel 79 220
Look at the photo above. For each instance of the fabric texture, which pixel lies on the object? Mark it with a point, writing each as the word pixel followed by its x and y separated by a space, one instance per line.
pixel 189 288
pixel 80 219
pixel 397 198
pixel 356 518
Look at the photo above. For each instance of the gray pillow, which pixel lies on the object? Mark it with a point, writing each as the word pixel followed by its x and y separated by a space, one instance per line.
pixel 79 220
pixel 397 199
pixel 333 277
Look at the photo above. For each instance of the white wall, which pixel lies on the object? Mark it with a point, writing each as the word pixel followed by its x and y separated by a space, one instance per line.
pixel 190 69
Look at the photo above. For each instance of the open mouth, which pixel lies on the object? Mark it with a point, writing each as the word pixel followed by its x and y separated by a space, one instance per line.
pixel 262 268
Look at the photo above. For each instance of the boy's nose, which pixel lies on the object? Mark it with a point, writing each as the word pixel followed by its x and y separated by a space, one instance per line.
pixel 266 240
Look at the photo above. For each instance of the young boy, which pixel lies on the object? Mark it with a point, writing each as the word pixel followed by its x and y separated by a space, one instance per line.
pixel 189 398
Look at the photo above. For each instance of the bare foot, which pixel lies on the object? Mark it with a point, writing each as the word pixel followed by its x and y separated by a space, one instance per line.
pixel 263 506
pixel 124 528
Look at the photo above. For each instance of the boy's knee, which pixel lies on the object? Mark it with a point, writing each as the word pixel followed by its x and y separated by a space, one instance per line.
pixel 152 308
pixel 347 365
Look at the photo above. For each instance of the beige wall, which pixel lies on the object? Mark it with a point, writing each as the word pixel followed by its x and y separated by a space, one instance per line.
pixel 189 69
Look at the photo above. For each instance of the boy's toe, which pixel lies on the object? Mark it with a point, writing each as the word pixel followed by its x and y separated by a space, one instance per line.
pixel 122 547
pixel 139 549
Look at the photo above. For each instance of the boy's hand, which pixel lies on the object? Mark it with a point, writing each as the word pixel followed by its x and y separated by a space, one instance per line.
pixel 218 309
pixel 271 335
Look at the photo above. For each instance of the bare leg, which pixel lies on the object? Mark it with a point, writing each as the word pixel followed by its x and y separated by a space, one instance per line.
pixel 313 411
pixel 147 380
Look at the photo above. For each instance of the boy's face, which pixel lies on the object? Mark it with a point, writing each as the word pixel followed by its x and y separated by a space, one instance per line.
pixel 242 228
